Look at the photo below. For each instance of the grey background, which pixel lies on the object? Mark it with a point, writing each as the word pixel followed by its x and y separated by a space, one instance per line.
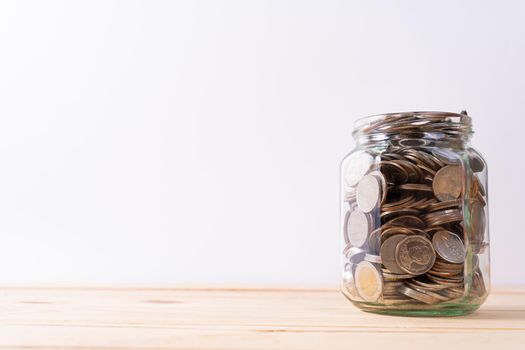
pixel 199 141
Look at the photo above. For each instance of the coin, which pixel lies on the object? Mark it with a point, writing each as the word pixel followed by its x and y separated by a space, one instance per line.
pixel 449 246
pixel 446 156
pixel 414 172
pixel 412 142
pixel 394 171
pixel 447 183
pixel 444 205
pixel 349 197
pixel 368 280
pixel 430 171
pixel 444 281
pixel 348 274
pixel 478 284
pixel 374 241
pixel 477 221
pixel 414 294
pixel 452 293
pixel 348 282
pixel 443 265
pixel 402 202
pixel 476 163
pixel 387 276
pixel 443 217
pixel 476 188
pixel 437 297
pixel 353 254
pixel 357 228
pixel 383 183
pixel 415 187
pixel 388 253
pixel 408 220
pixel 358 165
pixel 431 160
pixel 391 213
pixel 346 227
pixel 388 231
pixel 368 193
pixel 427 284
pixel 415 255
pixel 376 259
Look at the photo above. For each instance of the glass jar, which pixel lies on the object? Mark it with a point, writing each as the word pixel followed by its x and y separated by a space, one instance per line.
pixel 414 216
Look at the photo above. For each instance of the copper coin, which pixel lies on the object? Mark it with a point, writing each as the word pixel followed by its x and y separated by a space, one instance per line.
pixel 388 253
pixel 408 220
pixel 476 163
pixel 415 187
pixel 477 221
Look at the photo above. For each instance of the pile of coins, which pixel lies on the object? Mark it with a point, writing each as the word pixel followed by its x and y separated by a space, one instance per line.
pixel 408 126
pixel 412 212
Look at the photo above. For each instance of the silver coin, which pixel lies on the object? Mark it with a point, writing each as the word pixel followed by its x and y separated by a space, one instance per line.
pixel 348 283
pixel 446 156
pixel 383 183
pixel 449 246
pixel 348 272
pixel 357 166
pixel 358 227
pixel 353 254
pixel 374 241
pixel 368 193
pixel 417 295
pixel 375 259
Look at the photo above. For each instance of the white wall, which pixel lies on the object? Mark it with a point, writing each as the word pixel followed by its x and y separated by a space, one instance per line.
pixel 199 141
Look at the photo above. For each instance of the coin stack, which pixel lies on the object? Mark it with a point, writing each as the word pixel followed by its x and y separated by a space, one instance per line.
pixel 414 212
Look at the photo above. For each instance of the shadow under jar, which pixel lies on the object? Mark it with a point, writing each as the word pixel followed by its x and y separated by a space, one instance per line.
pixel 414 216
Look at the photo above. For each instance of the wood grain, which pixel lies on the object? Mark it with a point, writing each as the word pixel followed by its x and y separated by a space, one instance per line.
pixel 244 318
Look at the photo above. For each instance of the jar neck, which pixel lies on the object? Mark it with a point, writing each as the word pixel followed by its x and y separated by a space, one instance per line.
pixel 414 129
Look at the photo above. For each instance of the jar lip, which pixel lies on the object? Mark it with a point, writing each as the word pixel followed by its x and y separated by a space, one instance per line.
pixel 374 117
pixel 440 123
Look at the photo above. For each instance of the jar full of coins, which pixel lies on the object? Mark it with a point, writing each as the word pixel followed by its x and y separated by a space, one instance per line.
pixel 414 216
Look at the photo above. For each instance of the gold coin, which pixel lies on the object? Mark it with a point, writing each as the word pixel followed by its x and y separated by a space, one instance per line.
pixel 368 280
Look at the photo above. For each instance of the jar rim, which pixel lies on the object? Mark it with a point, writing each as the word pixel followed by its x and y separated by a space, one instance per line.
pixel 448 124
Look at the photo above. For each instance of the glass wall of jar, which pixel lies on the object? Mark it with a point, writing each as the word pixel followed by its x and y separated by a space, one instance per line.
pixel 414 216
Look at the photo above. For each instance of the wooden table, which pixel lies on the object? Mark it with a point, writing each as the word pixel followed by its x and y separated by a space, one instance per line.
pixel 229 318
